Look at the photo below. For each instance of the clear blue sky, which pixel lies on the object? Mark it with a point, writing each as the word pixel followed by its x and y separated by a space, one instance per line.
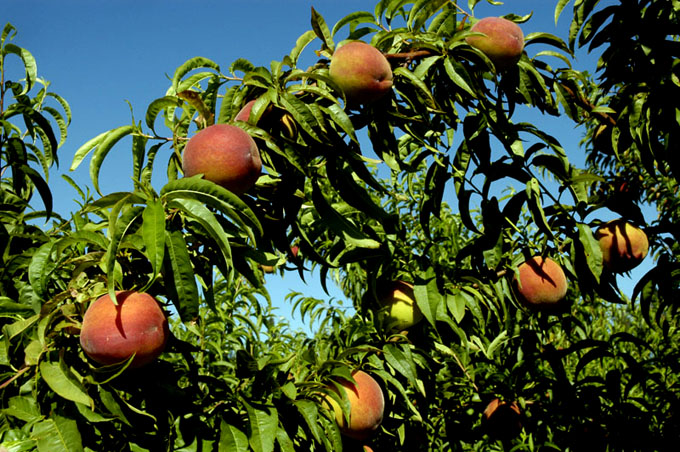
pixel 100 54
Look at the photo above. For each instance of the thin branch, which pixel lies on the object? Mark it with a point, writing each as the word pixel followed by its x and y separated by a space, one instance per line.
pixel 588 106
pixel 412 55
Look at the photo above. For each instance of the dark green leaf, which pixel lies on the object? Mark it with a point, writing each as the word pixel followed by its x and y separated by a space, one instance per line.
pixel 180 275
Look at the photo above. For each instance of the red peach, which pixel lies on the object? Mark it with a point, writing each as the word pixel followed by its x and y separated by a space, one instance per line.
pixel 503 43
pixel 623 245
pixel 224 154
pixel 367 406
pixel 362 72
pixel 541 283
pixel 111 334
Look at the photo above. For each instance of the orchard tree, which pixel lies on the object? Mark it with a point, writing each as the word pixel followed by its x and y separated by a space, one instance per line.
pixel 481 263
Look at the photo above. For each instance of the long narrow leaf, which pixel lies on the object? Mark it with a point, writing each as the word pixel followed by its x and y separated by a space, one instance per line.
pixel 180 276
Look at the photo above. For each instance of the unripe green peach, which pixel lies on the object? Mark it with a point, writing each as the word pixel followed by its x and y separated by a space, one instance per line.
pixel 623 245
pixel 503 43
pixel 224 154
pixel 367 406
pixel 540 283
pixel 111 334
pixel 361 71
pixel 399 307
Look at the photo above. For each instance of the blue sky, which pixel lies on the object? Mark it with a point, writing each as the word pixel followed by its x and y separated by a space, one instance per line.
pixel 100 54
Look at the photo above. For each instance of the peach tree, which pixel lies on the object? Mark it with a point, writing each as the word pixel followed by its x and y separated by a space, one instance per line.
pixel 397 168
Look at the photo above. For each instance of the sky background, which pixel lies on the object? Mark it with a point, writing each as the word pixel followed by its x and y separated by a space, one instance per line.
pixel 99 55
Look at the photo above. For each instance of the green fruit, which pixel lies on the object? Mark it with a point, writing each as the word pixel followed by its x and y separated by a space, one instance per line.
pixel 398 306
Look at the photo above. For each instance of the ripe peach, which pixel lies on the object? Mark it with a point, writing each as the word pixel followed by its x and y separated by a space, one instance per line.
pixel 623 245
pixel 502 419
pixel 111 334
pixel 367 406
pixel 224 154
pixel 399 307
pixel 362 72
pixel 503 43
pixel 541 283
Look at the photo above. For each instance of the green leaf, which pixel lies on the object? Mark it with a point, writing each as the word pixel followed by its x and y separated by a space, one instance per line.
pixel 284 441
pixel 118 231
pixel 232 439
pixel 215 196
pixel 153 233
pixel 301 113
pixel 263 422
pixel 180 276
pixel 41 186
pixel 591 247
pixel 29 64
pixel 24 408
pixel 207 219
pixel 428 297
pixel 10 307
pixel 40 268
pixel 321 29
pixel 57 434
pixel 415 81
pixel 12 330
pixel 422 11
pixel 190 65
pixel 533 191
pixel 456 304
pixel 559 8
pixel 310 413
pixel 454 70
pixel 400 358
pixel 302 42
pixel 340 224
pixel 157 106
pixel 354 19
pixel 60 379
pixel 138 151
pixel 85 149
pixel 103 147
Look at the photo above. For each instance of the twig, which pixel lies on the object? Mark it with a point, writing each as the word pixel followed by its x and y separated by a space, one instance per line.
pixel 17 375
pixel 588 106
pixel 409 55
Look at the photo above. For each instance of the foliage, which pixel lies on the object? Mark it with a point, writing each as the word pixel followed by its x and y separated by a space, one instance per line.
pixel 436 184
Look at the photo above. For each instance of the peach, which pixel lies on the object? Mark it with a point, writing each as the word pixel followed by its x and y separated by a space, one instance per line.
pixel 367 406
pixel 224 154
pixel 502 419
pixel 503 43
pixel 111 334
pixel 623 245
pixel 541 283
pixel 399 307
pixel 361 71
